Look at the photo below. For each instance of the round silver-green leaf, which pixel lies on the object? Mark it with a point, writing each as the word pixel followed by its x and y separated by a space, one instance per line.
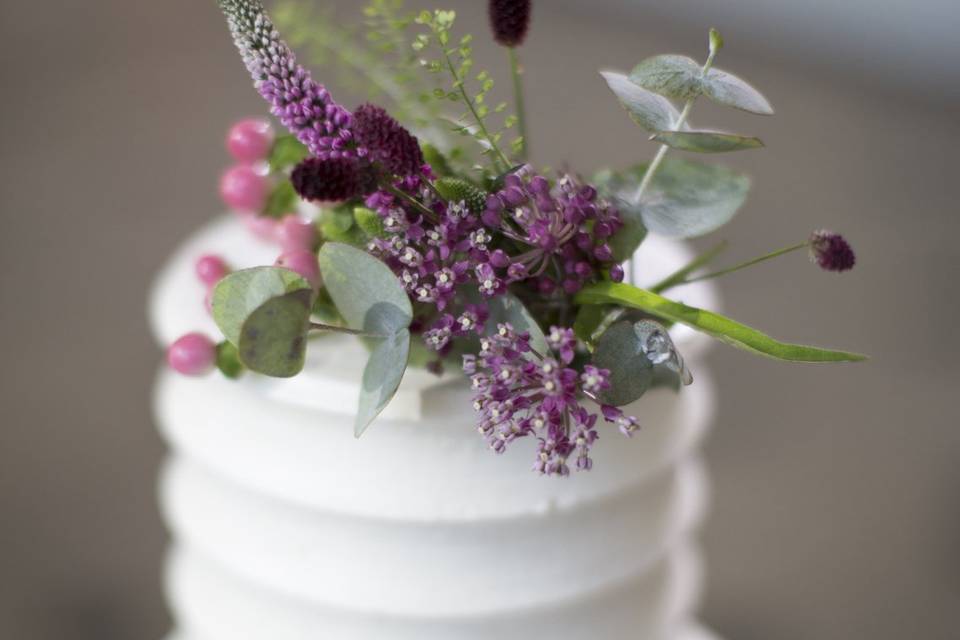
pixel 381 377
pixel 673 76
pixel 273 339
pixel 706 141
pixel 241 293
pixel 366 292
pixel 631 371
pixel 649 110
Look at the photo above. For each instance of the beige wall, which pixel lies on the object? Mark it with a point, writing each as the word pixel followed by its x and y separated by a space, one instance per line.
pixel 836 488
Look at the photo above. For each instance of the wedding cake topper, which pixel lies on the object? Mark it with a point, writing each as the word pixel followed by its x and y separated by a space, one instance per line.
pixel 438 245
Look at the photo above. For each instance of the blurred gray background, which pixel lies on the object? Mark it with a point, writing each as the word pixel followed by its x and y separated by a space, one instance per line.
pixel 835 513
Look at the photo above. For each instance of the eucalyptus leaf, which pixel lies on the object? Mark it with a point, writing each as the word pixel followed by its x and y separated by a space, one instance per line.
pixel 727 89
pixel 647 109
pixel 686 199
pixel 381 377
pixel 706 141
pixel 273 339
pixel 673 76
pixel 367 293
pixel 507 308
pixel 713 324
pixel 241 293
pixel 287 151
pixel 631 371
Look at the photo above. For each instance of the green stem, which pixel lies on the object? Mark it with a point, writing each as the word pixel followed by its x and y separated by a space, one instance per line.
pixel 748 263
pixel 517 72
pixel 679 276
pixel 678 125
pixel 319 326
pixel 413 202
pixel 500 160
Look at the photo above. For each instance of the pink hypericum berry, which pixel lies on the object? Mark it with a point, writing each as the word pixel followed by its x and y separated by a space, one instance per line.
pixel 250 140
pixel 243 189
pixel 192 355
pixel 294 233
pixel 263 227
pixel 302 262
pixel 211 269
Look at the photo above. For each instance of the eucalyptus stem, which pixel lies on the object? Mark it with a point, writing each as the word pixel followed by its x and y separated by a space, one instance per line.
pixel 500 160
pixel 319 326
pixel 748 263
pixel 678 125
pixel 413 202
pixel 520 105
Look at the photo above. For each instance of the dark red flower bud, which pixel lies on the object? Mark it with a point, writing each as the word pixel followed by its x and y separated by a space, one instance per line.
pixel 332 179
pixel 510 20
pixel 386 141
pixel 831 251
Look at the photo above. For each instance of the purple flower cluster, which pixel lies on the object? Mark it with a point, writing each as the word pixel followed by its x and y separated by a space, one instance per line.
pixel 302 105
pixel 519 393
pixel 565 230
pixel 332 179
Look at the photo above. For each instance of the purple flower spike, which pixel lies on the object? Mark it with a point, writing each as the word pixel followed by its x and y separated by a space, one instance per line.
pixel 302 105
pixel 831 251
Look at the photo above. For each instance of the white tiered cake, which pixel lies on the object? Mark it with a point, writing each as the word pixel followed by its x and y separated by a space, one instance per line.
pixel 286 527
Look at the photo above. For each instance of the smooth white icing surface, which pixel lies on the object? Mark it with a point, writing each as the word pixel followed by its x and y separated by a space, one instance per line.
pixel 287 527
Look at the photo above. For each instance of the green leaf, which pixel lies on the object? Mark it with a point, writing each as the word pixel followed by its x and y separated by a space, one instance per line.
pixel 367 293
pixel 728 89
pixel 240 293
pixel 507 308
pixel 338 225
pixel 369 221
pixel 706 141
pixel 281 201
pixel 287 152
pixel 631 371
pixel 647 109
pixel 686 199
pixel 669 75
pixel 713 324
pixel 588 321
pixel 435 158
pixel 228 360
pixel 273 339
pixel 381 377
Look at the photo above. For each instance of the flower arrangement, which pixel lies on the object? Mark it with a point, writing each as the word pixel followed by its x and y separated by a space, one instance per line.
pixel 439 246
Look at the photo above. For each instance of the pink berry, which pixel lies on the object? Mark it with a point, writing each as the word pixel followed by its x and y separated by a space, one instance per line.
pixel 250 140
pixel 263 227
pixel 211 269
pixel 294 233
pixel 242 188
pixel 192 355
pixel 302 262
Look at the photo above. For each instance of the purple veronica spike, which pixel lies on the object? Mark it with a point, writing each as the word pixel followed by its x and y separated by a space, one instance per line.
pixel 831 251
pixel 302 105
